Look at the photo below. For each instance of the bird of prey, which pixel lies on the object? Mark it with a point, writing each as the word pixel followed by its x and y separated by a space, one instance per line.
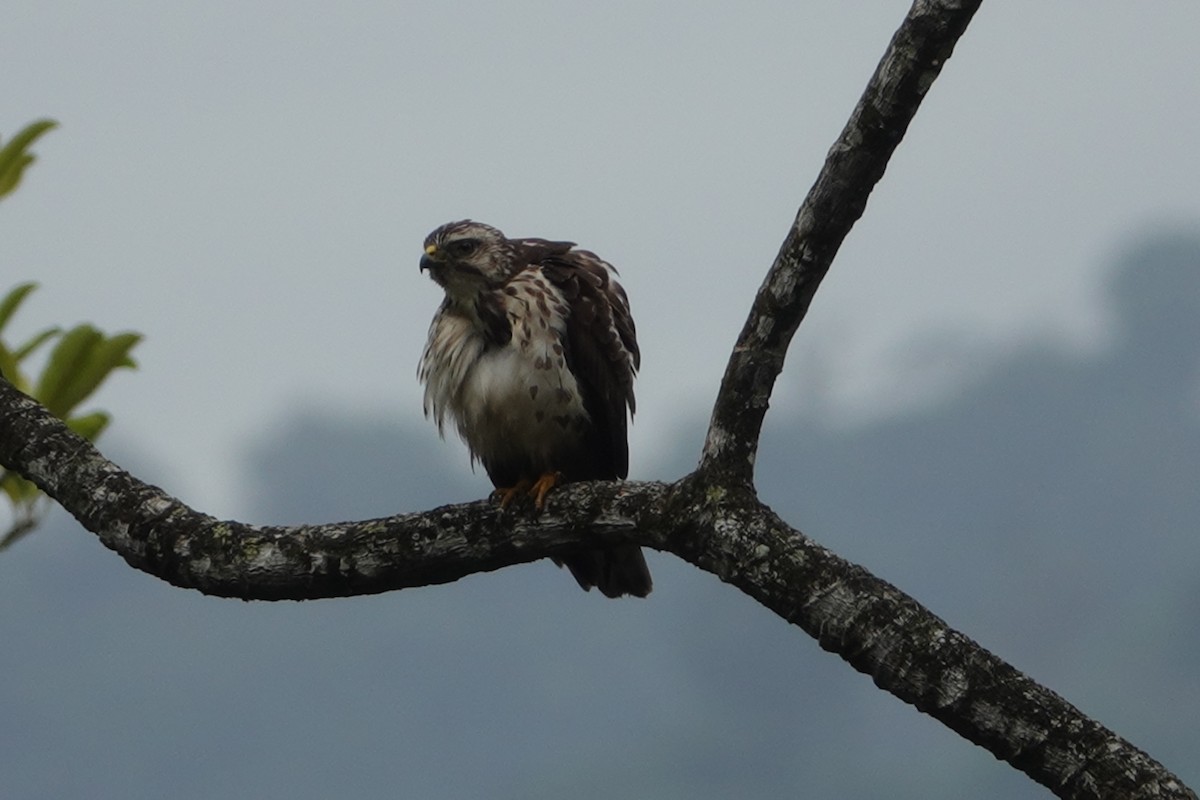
pixel 532 355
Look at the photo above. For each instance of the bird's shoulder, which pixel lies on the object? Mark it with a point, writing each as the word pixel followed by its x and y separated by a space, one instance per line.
pixel 579 274
pixel 531 252
pixel 580 296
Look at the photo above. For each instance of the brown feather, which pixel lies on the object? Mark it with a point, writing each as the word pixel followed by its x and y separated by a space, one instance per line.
pixel 534 355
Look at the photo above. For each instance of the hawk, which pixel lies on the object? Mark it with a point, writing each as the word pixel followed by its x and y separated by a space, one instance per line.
pixel 532 355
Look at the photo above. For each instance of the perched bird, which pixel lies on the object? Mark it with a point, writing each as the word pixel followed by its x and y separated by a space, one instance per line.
pixel 532 354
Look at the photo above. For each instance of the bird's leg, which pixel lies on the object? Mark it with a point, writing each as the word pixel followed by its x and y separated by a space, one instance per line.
pixel 542 486
pixel 537 489
pixel 505 494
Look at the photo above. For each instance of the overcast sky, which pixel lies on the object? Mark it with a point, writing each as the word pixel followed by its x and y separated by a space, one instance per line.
pixel 248 184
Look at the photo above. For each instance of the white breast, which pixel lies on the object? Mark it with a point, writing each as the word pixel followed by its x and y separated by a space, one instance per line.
pixel 516 402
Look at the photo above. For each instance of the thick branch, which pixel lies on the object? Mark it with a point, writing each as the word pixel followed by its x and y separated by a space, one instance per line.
pixel 855 163
pixel 158 534
pixel 910 652
pixel 710 518
pixel 878 629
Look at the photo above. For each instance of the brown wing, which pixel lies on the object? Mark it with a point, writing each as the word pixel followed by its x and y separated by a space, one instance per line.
pixel 602 353
pixel 601 349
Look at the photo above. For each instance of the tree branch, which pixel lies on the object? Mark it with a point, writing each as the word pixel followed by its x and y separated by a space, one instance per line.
pixel 909 651
pixel 160 535
pixel 855 163
pixel 711 518
pixel 871 624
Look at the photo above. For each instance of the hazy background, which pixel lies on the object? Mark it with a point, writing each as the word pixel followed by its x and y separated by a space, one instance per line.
pixel 995 402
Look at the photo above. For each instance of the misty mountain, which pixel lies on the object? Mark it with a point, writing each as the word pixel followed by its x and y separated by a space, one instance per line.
pixel 1048 508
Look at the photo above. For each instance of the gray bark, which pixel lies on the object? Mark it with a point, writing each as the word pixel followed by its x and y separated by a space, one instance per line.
pixel 711 518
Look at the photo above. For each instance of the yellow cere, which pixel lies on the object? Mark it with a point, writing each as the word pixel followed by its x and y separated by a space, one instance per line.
pixel 430 249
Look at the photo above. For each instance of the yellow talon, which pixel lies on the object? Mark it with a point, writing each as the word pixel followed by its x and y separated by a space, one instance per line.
pixel 537 489
pixel 542 486
pixel 507 494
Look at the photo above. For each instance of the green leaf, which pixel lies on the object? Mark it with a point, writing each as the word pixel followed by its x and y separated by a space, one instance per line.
pixel 89 426
pixel 19 490
pixel 8 485
pixel 25 137
pixel 23 352
pixel 13 156
pixel 10 177
pixel 8 367
pixel 104 355
pixel 67 360
pixel 10 359
pixel 13 300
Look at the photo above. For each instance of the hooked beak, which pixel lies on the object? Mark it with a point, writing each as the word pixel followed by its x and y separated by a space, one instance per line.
pixel 428 262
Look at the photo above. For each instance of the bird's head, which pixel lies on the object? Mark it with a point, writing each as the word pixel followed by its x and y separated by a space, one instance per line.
pixel 467 257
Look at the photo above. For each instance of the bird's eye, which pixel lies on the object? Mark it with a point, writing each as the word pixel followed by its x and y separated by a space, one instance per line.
pixel 462 247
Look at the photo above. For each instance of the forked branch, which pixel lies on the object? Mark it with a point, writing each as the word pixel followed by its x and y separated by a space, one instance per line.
pixel 710 518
